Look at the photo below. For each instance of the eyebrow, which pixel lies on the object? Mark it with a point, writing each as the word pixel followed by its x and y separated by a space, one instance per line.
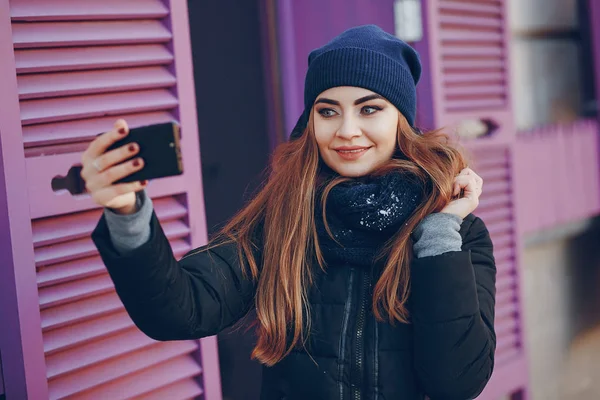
pixel 357 102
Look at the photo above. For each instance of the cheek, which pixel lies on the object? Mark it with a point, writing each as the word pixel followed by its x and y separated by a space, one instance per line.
pixel 385 136
pixel 324 134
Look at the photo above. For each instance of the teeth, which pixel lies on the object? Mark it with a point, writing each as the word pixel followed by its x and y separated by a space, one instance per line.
pixel 351 151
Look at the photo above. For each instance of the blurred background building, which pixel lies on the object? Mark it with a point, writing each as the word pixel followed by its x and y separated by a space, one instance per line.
pixel 518 81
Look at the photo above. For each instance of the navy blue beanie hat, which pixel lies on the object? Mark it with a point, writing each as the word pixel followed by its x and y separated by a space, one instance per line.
pixel 366 57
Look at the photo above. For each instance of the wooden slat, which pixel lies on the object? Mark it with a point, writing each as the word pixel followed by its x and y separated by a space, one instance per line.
pixel 506 254
pixel 61 84
pixel 468 66
pixel 493 186
pixel 464 53
pixel 65 10
pixel 505 297
pixel 475 22
pixel 492 215
pixel 90 58
pixel 466 36
pixel 100 105
pixel 507 343
pixel 475 90
pixel 470 7
pixel 507 356
pixel 495 201
pixel 500 228
pixel 62 34
pixel 505 268
pixel 505 283
pixel 474 104
pixel 460 78
pixel 506 311
pixel 506 327
pixel 494 174
pixel 503 241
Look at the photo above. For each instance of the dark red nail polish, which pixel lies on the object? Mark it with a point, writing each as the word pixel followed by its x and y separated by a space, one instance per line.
pixel 131 148
pixel 122 131
pixel 144 182
pixel 136 163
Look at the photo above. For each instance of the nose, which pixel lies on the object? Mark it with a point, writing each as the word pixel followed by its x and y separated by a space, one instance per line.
pixel 349 128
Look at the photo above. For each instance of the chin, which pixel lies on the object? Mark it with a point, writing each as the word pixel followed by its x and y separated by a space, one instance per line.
pixel 354 171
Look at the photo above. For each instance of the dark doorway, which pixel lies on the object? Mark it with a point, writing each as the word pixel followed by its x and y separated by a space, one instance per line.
pixel 234 142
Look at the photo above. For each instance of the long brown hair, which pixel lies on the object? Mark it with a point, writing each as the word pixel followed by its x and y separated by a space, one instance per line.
pixel 279 223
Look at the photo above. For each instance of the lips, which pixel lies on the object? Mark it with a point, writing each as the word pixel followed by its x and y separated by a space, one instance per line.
pixel 351 152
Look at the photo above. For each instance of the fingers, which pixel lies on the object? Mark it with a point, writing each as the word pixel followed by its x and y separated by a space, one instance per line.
pixel 105 195
pixel 106 178
pixel 94 162
pixel 470 182
pixel 104 141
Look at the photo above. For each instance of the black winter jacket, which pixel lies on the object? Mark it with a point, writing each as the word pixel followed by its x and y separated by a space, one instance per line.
pixel 446 352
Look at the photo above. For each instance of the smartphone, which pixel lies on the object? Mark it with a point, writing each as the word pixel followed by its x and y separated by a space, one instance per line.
pixel 159 148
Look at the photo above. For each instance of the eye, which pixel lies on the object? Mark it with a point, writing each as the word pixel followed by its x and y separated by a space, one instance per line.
pixel 327 112
pixel 368 110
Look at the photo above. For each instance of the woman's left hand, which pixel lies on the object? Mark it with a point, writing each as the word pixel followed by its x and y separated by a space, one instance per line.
pixel 472 185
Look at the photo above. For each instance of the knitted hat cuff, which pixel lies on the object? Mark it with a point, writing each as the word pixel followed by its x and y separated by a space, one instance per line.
pixel 363 68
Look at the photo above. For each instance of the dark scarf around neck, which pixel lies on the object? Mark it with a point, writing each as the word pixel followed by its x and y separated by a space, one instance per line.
pixel 363 214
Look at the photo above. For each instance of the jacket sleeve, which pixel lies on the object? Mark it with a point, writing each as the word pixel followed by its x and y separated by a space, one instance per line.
pixel 200 295
pixel 452 307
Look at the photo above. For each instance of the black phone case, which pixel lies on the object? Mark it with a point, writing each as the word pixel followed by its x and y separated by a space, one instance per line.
pixel 159 148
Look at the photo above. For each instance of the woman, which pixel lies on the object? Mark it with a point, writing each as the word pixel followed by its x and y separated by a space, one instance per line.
pixel 370 276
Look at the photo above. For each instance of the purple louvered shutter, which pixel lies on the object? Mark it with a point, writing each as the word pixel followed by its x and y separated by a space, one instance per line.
pixel 467 64
pixel 77 67
pixel 466 67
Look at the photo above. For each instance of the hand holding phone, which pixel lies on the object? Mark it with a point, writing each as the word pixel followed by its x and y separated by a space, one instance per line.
pixel 159 147
pixel 118 163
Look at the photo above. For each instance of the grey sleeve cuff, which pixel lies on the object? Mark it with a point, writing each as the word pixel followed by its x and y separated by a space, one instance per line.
pixel 436 234
pixel 128 232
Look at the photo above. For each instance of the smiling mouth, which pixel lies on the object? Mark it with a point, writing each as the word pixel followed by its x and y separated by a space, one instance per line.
pixel 351 153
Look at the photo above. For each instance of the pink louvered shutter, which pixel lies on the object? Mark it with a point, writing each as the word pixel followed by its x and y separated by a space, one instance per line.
pixel 467 77
pixel 79 66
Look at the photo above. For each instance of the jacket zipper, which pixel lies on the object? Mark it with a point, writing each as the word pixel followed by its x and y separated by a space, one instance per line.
pixel 342 350
pixel 360 333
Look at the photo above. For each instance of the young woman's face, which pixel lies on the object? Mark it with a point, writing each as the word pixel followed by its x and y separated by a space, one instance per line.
pixel 355 129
